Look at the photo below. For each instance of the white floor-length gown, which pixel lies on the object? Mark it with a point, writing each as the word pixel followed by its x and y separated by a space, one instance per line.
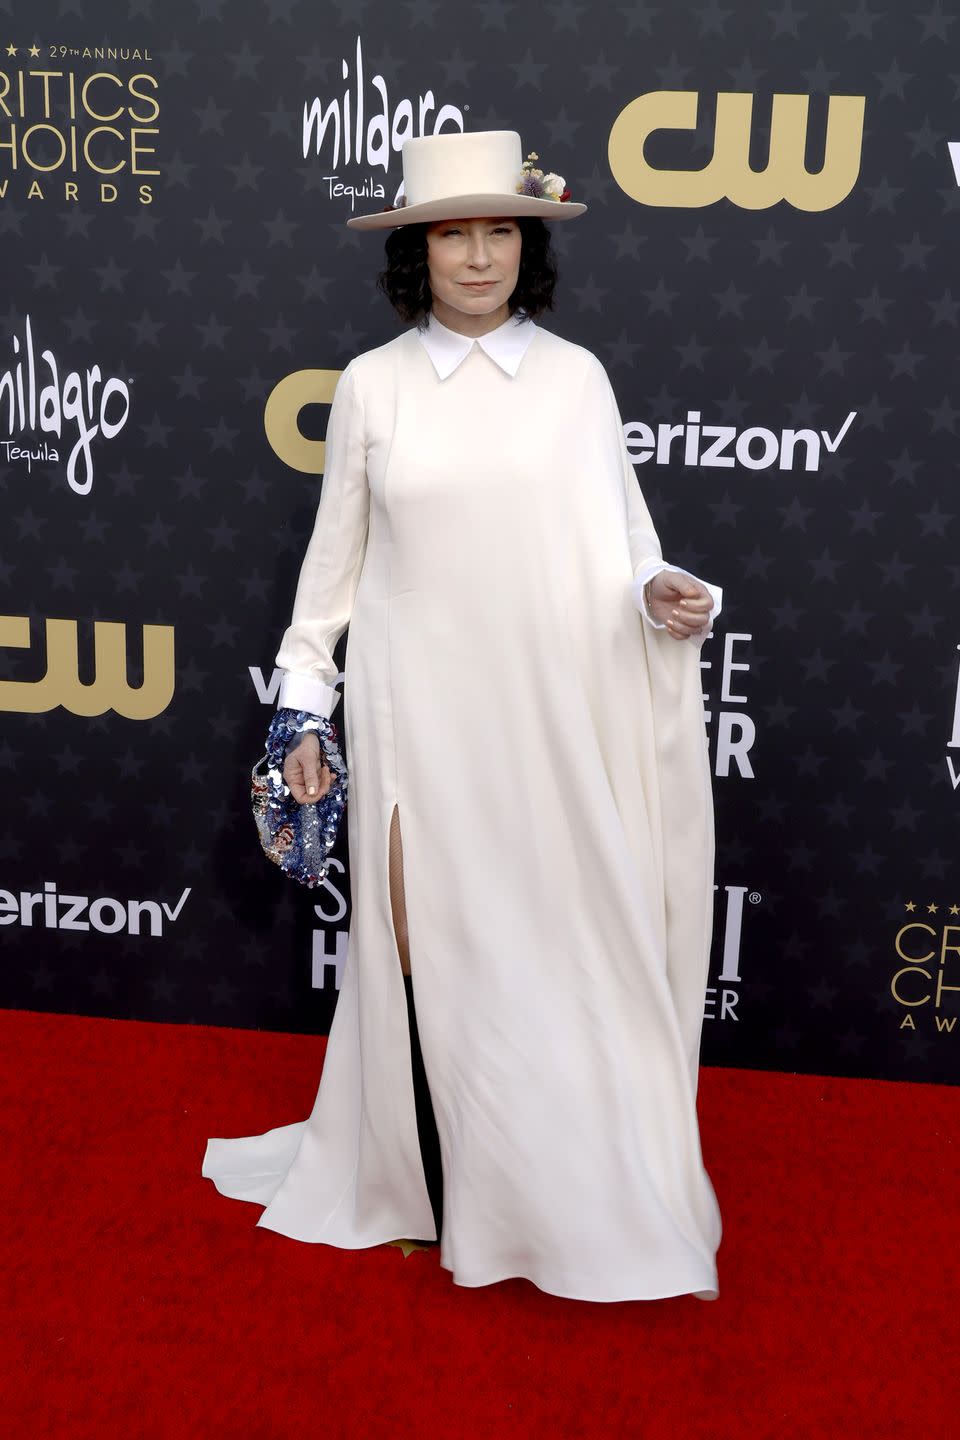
pixel 482 531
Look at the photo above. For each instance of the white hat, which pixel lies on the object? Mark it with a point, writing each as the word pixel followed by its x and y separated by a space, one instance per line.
pixel 453 176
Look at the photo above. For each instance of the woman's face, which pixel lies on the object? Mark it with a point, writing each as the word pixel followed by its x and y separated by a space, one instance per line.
pixel 473 264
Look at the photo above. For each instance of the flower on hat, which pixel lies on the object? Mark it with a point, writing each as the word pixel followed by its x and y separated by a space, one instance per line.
pixel 542 186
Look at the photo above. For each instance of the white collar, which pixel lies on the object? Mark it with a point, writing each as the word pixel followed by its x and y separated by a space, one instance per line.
pixel 506 345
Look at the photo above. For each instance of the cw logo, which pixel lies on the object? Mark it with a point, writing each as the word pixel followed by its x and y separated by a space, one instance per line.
pixel 109 689
pixel 281 417
pixel 728 173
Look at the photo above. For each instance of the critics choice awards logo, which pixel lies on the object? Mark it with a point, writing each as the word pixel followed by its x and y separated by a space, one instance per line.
pixel 72 130
pixel 364 127
pixel 926 982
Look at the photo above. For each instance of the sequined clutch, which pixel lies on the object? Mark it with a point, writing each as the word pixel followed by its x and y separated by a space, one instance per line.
pixel 298 837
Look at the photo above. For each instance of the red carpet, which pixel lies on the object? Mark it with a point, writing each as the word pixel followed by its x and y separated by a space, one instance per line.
pixel 147 1305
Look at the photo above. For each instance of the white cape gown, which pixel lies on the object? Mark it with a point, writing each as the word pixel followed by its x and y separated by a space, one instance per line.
pixel 545 745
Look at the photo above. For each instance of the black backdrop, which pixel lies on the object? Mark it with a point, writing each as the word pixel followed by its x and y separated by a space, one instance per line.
pixel 172 256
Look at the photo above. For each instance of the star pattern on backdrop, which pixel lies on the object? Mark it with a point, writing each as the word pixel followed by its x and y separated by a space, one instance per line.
pixel 241 271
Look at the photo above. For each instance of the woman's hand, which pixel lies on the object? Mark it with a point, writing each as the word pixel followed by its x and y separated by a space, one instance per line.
pixel 678 602
pixel 303 772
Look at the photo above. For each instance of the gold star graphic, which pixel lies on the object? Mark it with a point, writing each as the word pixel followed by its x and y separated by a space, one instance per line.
pixel 955 909
pixel 931 909
pixel 911 905
pixel 11 49
pixel 34 51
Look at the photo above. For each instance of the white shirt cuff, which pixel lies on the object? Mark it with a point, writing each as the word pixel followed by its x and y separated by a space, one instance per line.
pixel 305 692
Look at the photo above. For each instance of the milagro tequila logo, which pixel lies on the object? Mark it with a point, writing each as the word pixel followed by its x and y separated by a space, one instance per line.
pixel 40 404
pixel 362 128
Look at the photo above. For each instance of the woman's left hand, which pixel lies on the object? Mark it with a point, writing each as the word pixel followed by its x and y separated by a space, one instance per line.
pixel 678 602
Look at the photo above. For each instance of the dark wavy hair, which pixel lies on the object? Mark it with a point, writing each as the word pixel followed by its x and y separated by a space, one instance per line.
pixel 405 279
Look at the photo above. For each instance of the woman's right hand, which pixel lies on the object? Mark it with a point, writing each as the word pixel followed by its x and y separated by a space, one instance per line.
pixel 303 771
pixel 668 591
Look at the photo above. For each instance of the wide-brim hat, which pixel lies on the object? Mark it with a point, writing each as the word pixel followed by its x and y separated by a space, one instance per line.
pixel 454 176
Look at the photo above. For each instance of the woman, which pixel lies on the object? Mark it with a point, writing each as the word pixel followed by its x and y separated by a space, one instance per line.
pixel 531 828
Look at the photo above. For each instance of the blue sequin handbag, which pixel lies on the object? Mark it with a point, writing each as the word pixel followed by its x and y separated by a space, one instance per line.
pixel 298 837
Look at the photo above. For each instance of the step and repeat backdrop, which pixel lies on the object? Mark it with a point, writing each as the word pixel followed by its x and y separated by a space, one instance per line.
pixel 768 270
